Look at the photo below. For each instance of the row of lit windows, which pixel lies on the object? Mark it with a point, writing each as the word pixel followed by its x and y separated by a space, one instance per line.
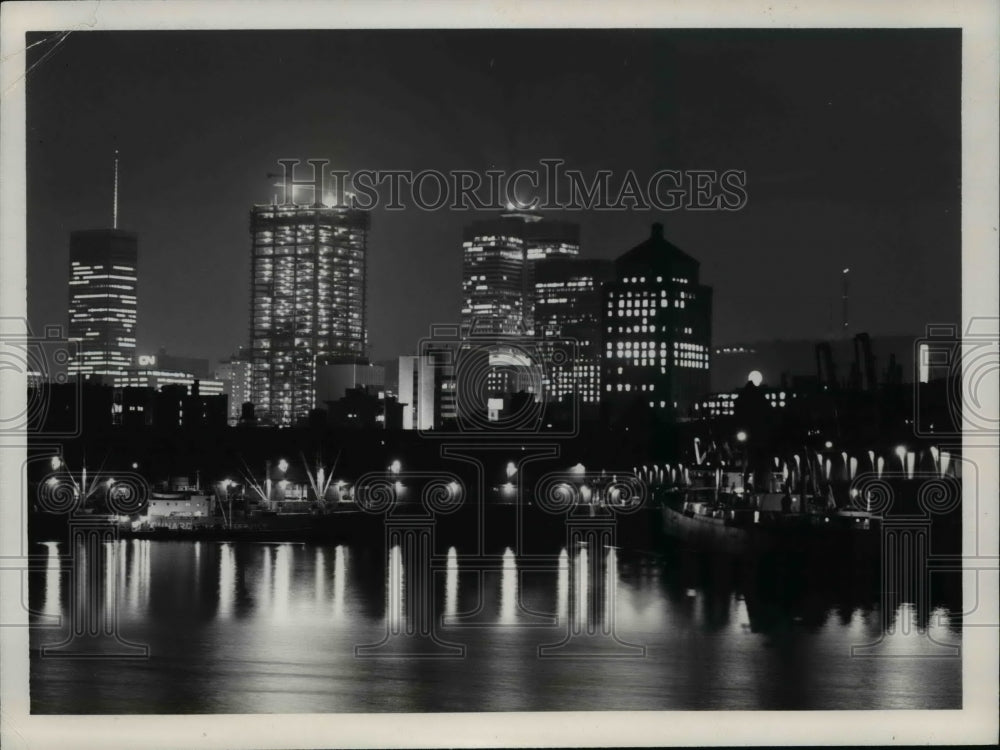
pixel 642 280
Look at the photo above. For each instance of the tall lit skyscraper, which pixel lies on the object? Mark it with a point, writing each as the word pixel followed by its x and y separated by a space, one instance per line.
pixel 657 329
pixel 307 278
pixel 103 268
pixel 102 301
pixel 498 269
pixel 493 277
pixel 568 316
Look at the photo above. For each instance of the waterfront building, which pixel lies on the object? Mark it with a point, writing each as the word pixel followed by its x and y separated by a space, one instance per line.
pixel 657 321
pixel 171 406
pixel 723 404
pixel 102 302
pixel 308 301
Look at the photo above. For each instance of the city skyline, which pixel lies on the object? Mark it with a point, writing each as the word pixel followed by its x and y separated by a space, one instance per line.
pixel 652 353
pixel 910 239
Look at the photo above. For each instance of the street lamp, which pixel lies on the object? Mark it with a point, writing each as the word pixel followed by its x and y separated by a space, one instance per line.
pixel 511 469
pixel 282 466
pixel 395 466
pixel 741 436
pixel 56 463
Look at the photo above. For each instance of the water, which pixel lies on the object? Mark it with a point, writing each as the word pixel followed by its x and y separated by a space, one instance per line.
pixel 284 628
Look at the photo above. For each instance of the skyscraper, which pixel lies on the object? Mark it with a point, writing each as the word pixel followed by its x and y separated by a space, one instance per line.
pixel 498 269
pixel 657 329
pixel 236 374
pixel 102 301
pixel 307 278
pixel 568 316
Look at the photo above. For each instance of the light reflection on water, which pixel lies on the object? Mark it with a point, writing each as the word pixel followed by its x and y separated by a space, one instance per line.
pixel 508 589
pixel 236 627
pixel 53 584
pixel 339 581
pixel 451 584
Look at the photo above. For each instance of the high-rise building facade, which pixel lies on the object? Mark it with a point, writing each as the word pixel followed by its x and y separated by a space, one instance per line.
pixel 544 239
pixel 236 374
pixel 498 269
pixel 416 392
pixel 426 384
pixel 493 278
pixel 307 277
pixel 102 301
pixel 657 320
pixel 568 324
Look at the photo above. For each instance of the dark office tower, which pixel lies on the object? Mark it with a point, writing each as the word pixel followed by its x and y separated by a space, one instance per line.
pixel 493 278
pixel 102 301
pixel 657 330
pixel 544 239
pixel 568 315
pixel 497 269
pixel 307 290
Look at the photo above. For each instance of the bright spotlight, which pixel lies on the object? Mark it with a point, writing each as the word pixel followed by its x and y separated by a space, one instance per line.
pixel 741 436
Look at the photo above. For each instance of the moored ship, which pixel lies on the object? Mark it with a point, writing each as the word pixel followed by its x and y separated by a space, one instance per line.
pixel 722 509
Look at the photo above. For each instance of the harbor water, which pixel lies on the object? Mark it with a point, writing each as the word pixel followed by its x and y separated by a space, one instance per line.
pixel 394 626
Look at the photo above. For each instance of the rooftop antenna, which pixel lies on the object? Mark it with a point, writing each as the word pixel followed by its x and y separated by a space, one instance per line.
pixel 114 210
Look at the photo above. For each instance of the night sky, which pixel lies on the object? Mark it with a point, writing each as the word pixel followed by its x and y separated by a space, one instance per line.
pixel 850 140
